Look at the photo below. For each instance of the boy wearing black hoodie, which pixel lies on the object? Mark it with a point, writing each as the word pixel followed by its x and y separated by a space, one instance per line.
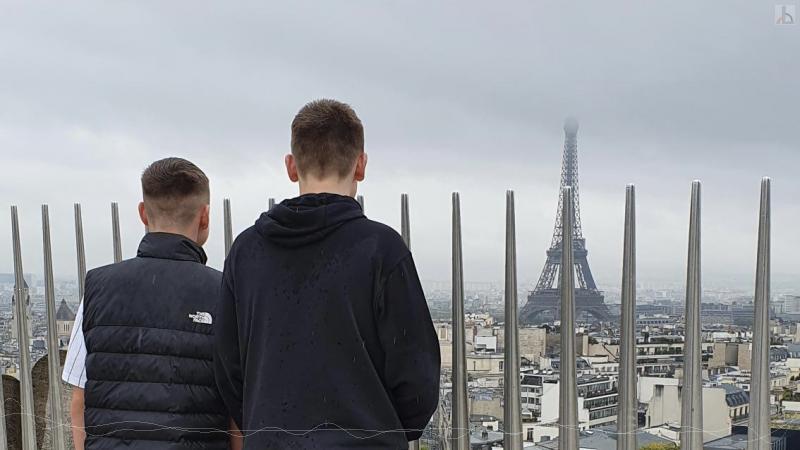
pixel 324 339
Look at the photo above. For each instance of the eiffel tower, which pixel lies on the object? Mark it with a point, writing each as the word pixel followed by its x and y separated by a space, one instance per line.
pixel 545 300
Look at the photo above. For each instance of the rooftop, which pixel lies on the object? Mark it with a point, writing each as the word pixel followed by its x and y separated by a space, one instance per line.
pixel 734 395
pixel 732 442
pixel 605 438
pixel 64 312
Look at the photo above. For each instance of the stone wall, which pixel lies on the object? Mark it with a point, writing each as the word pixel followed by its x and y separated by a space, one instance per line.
pixel 11 391
pixel 11 409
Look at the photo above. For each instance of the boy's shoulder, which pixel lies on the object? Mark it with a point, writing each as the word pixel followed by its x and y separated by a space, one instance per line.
pixel 133 268
pixel 102 273
pixel 379 230
pixel 387 240
pixel 366 227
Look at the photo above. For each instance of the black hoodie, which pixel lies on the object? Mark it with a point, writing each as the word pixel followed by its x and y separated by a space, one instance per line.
pixel 323 338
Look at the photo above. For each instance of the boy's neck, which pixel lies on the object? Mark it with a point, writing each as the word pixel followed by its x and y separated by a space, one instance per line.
pixel 185 232
pixel 328 186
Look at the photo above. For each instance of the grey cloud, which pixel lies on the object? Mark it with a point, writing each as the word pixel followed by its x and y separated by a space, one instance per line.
pixel 463 96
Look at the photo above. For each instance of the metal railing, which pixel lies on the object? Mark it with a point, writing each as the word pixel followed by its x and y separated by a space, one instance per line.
pixel 627 421
pixel 459 432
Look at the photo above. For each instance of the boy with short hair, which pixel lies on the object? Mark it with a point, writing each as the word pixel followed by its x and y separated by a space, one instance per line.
pixel 140 357
pixel 324 338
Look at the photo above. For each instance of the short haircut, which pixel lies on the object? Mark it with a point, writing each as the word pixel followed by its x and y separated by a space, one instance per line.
pixel 174 189
pixel 327 138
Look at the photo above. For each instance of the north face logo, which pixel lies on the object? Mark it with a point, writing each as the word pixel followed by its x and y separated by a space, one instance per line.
pixel 201 317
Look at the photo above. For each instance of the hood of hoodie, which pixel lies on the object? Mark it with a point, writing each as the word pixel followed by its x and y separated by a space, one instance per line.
pixel 307 219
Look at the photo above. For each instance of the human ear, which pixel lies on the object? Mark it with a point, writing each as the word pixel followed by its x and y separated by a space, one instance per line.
pixel 361 167
pixel 291 168
pixel 143 215
pixel 204 218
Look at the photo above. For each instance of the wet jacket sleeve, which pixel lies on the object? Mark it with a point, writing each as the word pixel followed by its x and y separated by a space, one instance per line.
pixel 411 348
pixel 227 355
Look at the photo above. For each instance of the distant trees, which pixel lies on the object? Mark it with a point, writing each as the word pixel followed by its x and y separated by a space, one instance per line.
pixel 790 395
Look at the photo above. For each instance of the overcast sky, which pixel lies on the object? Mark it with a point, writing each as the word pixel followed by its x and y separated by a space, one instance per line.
pixel 465 96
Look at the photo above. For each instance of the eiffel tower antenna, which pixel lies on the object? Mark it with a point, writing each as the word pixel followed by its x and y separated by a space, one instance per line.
pixel 545 297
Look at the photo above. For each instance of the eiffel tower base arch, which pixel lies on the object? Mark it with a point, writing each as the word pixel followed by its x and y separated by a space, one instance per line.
pixel 544 306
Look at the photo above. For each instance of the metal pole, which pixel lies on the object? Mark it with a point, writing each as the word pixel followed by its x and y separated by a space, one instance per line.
pixel 80 251
pixel 460 432
pixel 692 392
pixel 23 339
pixel 3 432
pixel 115 232
pixel 54 357
pixel 405 232
pixel 512 412
pixel 405 224
pixel 228 226
pixel 758 434
pixel 568 383
pixel 360 200
pixel 627 418
pixel 270 203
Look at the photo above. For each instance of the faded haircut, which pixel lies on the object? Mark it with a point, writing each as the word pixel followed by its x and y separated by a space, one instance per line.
pixel 174 189
pixel 327 138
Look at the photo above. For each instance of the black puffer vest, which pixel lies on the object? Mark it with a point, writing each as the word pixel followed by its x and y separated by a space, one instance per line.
pixel 148 329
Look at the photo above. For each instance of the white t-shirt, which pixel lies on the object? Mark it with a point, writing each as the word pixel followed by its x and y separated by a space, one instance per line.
pixel 75 364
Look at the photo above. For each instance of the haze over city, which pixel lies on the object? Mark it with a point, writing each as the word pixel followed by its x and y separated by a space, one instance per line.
pixel 463 96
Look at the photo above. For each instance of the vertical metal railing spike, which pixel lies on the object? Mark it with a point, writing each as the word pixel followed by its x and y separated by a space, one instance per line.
pixel 360 200
pixel 758 434
pixel 627 418
pixel 405 232
pixel 512 412
pixel 27 419
pixel 3 431
pixel 270 203
pixel 115 234
pixel 80 250
pixel 228 226
pixel 692 392
pixel 568 383
pixel 405 221
pixel 53 348
pixel 460 431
